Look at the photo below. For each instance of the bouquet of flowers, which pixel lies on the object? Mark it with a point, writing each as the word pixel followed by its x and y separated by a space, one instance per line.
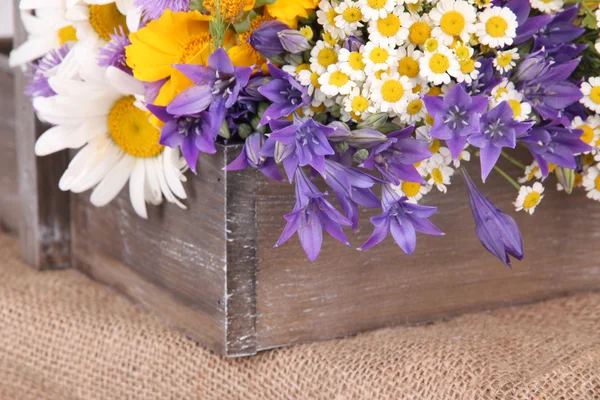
pixel 383 101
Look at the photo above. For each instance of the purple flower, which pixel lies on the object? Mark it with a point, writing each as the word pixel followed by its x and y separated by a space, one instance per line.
pixel 265 39
pixel 293 41
pixel 193 133
pixel 38 85
pixel 527 27
pixel 250 157
pixel 113 53
pixel 497 231
pixel 456 116
pixel 556 143
pixel 153 9
pixel 560 29
pixel 498 130
pixel 311 214
pixel 353 43
pixel 403 220
pixel 396 157
pixel 305 144
pixel 285 93
pixel 486 81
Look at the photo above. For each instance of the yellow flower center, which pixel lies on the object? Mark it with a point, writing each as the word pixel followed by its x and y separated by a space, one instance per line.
pixel 516 107
pixel 467 66
pixel 532 173
pixel 326 57
pixel 452 23
pixel 411 189
pixel 588 133
pixel 318 109
pixel 419 32
pixel 105 19
pixel 379 55
pixel 67 34
pixel 231 9
pixel 500 92
pixel 429 119
pixel 359 104
pixel 352 14
pixel 597 182
pixel 329 39
pixel 408 66
pixel 314 80
pixel 130 130
pixel 192 46
pixel 588 159
pixel 435 91
pixel 437 176
pixel 431 45
pixel 462 52
pixel 307 32
pixel 504 60
pixel 380 73
pixel 435 146
pixel 496 26
pixel 376 4
pixel 413 6
pixel 414 107
pixel 417 89
pixel 302 67
pixel 439 63
pixel 389 26
pixel 595 94
pixel 355 60
pixel 331 14
pixel 392 91
pixel 531 200
pixel 338 78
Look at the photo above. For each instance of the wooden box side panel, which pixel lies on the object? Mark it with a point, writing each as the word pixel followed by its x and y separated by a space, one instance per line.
pixel 346 291
pixel 173 263
pixel 9 187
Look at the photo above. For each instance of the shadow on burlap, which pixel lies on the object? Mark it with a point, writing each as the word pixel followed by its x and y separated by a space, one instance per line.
pixel 65 337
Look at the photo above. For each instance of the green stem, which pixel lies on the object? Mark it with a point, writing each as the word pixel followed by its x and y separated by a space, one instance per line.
pixel 508 178
pixel 513 161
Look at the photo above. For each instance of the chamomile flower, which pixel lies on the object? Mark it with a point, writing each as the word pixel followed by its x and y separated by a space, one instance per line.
pixel 521 109
pixel 529 197
pixel 356 105
pixel 352 64
pixel 391 93
pixel 547 6
pixel 415 110
pixel 310 79
pixel 335 82
pixel 591 183
pixel 440 66
pixel 497 27
pixel 463 51
pixel 503 88
pixel 375 9
pixel 439 172
pixel 413 190
pixel 419 29
pixel 322 56
pixel 349 17
pixel 591 94
pixel 532 171
pixel 453 18
pixel 590 128
pixel 469 70
pixel 378 58
pixel 408 61
pixel 295 69
pixel 391 30
pixel 326 15
pixel 505 60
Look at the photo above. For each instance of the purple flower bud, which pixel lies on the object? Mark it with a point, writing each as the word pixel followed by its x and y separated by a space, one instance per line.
pixel 265 39
pixel 531 67
pixel 366 138
pixel 293 41
pixel 353 43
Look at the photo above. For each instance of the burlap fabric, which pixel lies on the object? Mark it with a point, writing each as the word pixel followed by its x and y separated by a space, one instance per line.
pixel 65 337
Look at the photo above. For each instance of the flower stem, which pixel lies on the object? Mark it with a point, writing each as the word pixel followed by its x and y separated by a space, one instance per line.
pixel 513 161
pixel 508 178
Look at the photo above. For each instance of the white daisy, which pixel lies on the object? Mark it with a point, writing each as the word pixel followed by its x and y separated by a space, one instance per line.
pixel 415 110
pixel 547 6
pixel 47 29
pixel 497 27
pixel 97 114
pixel 439 172
pixel 529 197
pixel 503 88
pixel 335 81
pixel 351 63
pixel 326 15
pixel 505 60
pixel 463 51
pixel 453 18
pixel 356 105
pixel 391 30
pixel 590 128
pixel 591 183
pixel 378 58
pixel 521 109
pixel 391 93
pixel 419 29
pixel 408 62
pixel 532 171
pixel 295 69
pixel 413 190
pixel 322 56
pixel 469 70
pixel 591 94
pixel 375 9
pixel 438 67
pixel 349 17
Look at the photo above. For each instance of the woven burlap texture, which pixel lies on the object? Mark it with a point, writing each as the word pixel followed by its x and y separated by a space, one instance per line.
pixel 63 336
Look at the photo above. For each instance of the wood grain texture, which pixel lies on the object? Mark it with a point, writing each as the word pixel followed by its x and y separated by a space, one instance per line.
pixel 346 291
pixel 44 219
pixel 9 198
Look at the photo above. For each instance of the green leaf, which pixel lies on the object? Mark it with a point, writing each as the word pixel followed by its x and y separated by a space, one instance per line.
pixel 260 3
pixel 197 5
pixel 242 26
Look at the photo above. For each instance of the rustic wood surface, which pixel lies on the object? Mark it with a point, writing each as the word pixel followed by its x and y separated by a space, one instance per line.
pixel 346 291
pixel 9 199
pixel 44 219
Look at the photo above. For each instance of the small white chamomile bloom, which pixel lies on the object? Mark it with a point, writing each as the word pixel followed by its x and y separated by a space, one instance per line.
pixel 591 94
pixel 349 17
pixel 408 61
pixel 505 60
pixel 415 110
pixel 590 128
pixel 469 70
pixel 453 18
pixel 438 67
pixel 521 109
pixel 497 27
pixel 419 29
pixel 391 30
pixel 463 51
pixel 591 183
pixel 375 9
pixel 310 79
pixel 322 56
pixel 378 58
pixel 413 190
pixel 352 63
pixel 390 93
pixel 295 69
pixel 503 88
pixel 326 15
pixel 335 82
pixel 356 105
pixel 439 172
pixel 532 171
pixel 547 6
pixel 529 197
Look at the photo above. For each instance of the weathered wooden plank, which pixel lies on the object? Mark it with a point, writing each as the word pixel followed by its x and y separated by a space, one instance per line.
pixel 346 292
pixel 9 199
pixel 44 219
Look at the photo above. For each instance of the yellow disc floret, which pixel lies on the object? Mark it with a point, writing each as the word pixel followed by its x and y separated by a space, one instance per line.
pixel 389 26
pixel 408 66
pixel 392 91
pixel 67 34
pixel 419 32
pixel 496 26
pixel 105 19
pixel 411 189
pixel 439 63
pixel 452 23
